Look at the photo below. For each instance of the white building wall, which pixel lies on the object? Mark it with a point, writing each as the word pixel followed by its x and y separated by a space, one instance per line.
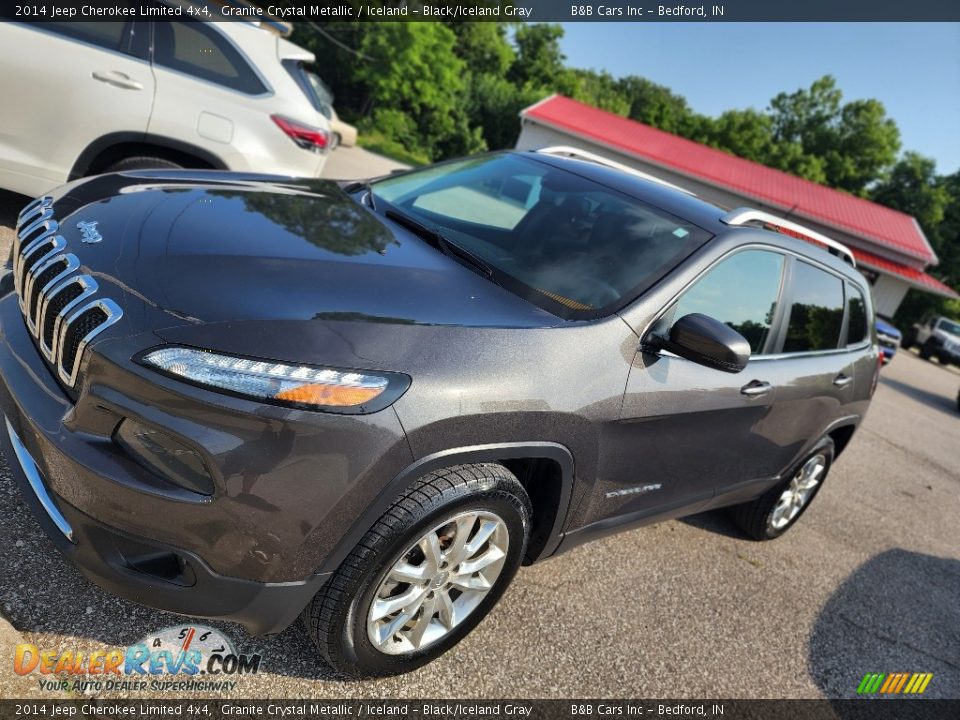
pixel 888 293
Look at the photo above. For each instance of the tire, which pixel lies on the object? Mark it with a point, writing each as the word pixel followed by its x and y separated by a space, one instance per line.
pixel 757 518
pixel 926 350
pixel 908 340
pixel 341 619
pixel 943 359
pixel 143 162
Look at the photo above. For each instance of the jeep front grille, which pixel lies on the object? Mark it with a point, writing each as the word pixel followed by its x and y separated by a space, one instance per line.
pixel 59 305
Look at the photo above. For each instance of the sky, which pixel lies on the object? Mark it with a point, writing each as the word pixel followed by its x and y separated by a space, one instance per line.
pixel 912 68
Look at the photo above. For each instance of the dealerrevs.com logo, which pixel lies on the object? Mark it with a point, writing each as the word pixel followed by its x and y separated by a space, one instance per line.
pixel 176 659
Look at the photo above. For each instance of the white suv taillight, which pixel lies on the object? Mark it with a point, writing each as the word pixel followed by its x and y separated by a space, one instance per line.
pixel 306 136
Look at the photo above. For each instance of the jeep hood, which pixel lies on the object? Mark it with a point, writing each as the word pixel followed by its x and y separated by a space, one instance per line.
pixel 212 247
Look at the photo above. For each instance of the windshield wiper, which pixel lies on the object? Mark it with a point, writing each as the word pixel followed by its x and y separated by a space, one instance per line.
pixel 368 192
pixel 438 240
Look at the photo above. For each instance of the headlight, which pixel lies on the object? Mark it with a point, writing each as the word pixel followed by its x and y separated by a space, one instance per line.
pixel 315 388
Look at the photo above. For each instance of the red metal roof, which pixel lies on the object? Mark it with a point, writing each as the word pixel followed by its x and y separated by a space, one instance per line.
pixel 882 225
pixel 911 275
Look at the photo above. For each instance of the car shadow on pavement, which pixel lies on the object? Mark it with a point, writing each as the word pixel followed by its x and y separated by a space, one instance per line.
pixel 715 521
pixel 897 613
pixel 944 403
pixel 10 206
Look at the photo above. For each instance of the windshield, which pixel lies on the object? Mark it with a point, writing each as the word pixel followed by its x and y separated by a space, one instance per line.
pixel 949 326
pixel 572 246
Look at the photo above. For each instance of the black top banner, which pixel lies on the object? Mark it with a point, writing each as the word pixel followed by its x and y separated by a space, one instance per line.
pixel 488 10
pixel 465 709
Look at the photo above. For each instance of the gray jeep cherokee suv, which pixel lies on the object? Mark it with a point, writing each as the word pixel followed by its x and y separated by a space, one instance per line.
pixel 256 398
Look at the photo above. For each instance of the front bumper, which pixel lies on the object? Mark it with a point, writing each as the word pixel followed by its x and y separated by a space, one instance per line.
pixel 148 572
pixel 241 555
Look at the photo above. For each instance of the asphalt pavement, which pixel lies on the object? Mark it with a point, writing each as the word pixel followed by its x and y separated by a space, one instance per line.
pixel 868 581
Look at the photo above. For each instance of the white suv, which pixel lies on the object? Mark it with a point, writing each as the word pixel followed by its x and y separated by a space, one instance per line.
pixel 81 98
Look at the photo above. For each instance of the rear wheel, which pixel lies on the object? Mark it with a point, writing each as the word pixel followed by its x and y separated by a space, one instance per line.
pixel 143 162
pixel 927 350
pixel 775 512
pixel 425 575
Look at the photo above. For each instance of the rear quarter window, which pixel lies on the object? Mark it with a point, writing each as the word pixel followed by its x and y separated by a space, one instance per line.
pixel 858 329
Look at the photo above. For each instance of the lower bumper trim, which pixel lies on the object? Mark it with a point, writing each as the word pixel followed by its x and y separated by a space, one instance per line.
pixel 32 474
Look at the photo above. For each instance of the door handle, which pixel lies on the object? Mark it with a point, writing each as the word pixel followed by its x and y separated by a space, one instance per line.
pixel 841 380
pixel 117 79
pixel 756 388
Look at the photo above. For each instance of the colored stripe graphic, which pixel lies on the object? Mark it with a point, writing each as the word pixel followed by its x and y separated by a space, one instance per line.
pixel 894 683
pixel 890 682
pixel 870 683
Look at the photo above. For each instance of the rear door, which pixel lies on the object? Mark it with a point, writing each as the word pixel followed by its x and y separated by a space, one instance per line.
pixel 66 84
pixel 813 368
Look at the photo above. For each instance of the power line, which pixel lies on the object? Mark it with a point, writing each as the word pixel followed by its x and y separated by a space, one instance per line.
pixel 331 38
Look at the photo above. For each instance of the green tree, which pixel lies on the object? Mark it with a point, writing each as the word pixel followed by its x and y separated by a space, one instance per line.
pixel 413 71
pixel 918 191
pixel 913 187
pixel 599 89
pixel 656 105
pixel 539 61
pixel 746 133
pixel 853 143
pixel 484 47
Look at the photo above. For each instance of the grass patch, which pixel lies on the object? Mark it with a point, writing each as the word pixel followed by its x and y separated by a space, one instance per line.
pixel 382 145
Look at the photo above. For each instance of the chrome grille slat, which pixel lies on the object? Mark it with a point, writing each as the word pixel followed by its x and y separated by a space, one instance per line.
pixel 32 207
pixel 50 247
pixel 69 263
pixel 112 313
pixel 88 287
pixel 27 244
pixel 44 277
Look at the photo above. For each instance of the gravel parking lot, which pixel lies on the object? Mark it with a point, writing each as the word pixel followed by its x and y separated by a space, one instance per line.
pixel 869 581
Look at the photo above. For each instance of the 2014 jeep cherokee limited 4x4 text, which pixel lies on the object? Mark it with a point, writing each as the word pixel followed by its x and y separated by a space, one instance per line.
pixel 255 398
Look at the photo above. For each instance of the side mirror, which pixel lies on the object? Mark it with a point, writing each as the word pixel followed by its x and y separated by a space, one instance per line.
pixel 704 340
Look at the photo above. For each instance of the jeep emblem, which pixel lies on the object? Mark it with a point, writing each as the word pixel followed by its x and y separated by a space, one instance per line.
pixel 88 231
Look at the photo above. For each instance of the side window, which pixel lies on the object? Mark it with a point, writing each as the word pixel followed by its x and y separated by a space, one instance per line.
pixel 816 316
pixel 857 330
pixel 196 49
pixel 742 291
pixel 108 35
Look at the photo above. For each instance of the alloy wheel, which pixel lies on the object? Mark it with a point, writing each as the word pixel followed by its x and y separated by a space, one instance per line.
pixel 798 492
pixel 437 582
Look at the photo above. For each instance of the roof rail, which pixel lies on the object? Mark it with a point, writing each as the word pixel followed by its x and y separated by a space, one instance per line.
pixel 744 216
pixel 579 154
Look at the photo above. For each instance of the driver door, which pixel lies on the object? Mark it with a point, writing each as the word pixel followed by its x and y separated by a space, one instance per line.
pixel 686 430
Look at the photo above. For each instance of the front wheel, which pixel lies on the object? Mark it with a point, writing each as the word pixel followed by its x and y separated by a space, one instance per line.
pixel 775 512
pixel 425 575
